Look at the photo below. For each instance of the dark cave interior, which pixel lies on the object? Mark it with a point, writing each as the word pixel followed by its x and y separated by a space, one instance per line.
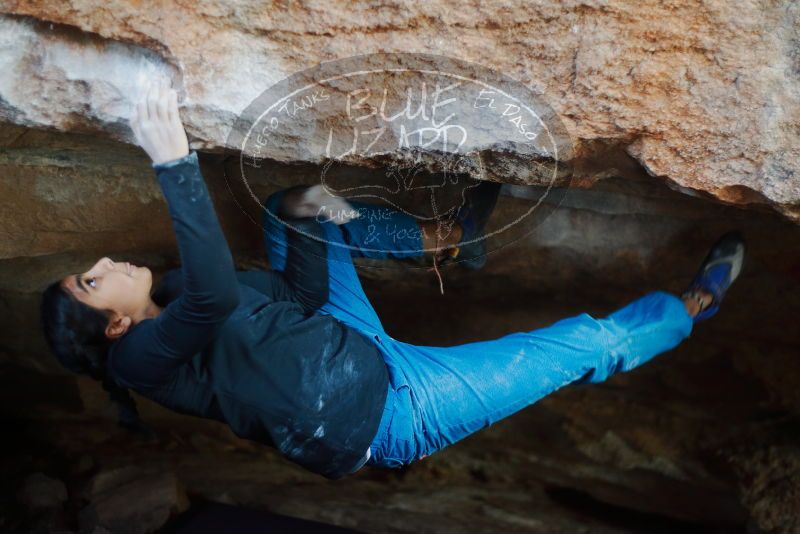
pixel 703 438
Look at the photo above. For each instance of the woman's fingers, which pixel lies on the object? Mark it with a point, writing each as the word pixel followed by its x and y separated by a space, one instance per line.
pixel 172 108
pixel 141 107
pixel 152 102
pixel 134 124
pixel 156 123
pixel 163 101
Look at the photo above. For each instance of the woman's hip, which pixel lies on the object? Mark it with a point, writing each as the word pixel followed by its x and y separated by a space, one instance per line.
pixel 400 439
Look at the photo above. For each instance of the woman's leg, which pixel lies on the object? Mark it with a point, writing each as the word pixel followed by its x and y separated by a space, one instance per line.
pixel 383 232
pixel 379 232
pixel 448 393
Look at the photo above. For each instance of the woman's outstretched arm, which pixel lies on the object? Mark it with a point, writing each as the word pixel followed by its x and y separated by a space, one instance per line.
pixel 150 352
pixel 210 285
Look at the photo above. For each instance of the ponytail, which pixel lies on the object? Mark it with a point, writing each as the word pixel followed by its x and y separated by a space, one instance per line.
pixel 128 414
pixel 75 333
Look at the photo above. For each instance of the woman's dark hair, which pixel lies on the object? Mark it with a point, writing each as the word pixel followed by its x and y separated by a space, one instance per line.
pixel 75 333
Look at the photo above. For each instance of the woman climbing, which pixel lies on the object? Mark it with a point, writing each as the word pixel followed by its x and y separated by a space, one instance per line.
pixel 296 357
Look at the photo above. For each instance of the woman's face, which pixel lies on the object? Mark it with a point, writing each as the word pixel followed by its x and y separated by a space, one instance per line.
pixel 121 288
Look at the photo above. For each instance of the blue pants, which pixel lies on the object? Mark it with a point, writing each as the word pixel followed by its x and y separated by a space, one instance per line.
pixel 439 395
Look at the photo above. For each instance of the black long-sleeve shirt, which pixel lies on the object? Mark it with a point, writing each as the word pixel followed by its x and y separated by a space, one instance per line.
pixel 247 348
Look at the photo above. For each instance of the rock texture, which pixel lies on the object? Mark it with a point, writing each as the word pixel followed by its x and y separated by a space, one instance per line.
pixel 702 94
pixel 131 501
pixel 703 437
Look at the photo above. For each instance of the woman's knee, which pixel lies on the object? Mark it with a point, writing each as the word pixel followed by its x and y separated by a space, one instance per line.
pixel 272 205
pixel 275 198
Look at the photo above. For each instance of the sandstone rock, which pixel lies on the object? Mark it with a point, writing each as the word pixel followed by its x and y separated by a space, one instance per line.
pixel 704 95
pixel 604 244
pixel 772 488
pixel 42 499
pixel 40 492
pixel 132 500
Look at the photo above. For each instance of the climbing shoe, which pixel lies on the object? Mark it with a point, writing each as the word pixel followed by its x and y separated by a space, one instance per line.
pixel 472 217
pixel 720 268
